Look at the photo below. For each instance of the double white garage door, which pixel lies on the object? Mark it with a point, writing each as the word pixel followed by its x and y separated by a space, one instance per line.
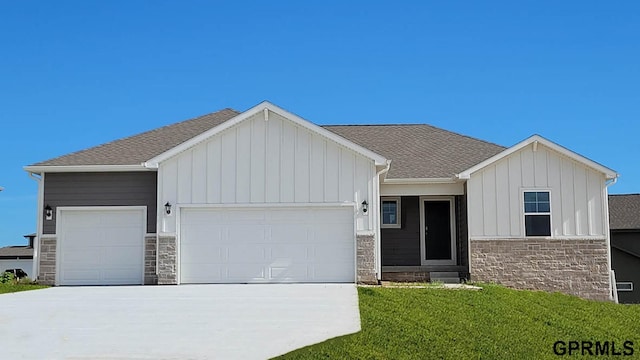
pixel 216 245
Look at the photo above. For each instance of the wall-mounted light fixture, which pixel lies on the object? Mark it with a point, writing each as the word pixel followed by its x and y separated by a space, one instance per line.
pixel 167 208
pixel 365 207
pixel 48 212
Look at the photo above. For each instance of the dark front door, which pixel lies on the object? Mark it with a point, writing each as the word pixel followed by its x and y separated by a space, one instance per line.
pixel 437 232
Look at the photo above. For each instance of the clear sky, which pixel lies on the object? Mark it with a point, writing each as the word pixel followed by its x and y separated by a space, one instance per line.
pixel 74 74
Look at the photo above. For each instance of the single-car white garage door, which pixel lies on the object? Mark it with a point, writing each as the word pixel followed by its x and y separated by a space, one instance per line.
pixel 267 245
pixel 101 246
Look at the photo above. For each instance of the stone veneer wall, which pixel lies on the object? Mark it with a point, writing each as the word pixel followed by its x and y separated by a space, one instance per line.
pixel 47 259
pixel 150 253
pixel 167 260
pixel 578 267
pixel 366 259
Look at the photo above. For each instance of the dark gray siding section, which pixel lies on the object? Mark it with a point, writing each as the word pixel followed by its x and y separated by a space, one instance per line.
pixel 462 230
pixel 401 247
pixel 625 260
pixel 101 189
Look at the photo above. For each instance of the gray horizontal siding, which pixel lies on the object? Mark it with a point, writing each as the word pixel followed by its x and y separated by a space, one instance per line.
pixel 402 246
pixel 101 189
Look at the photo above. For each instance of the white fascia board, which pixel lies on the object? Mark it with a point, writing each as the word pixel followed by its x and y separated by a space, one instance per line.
pixel 610 174
pixel 265 105
pixel 421 181
pixel 37 169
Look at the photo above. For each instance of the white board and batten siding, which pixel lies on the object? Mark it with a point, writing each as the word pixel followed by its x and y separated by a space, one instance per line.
pixel 495 195
pixel 267 162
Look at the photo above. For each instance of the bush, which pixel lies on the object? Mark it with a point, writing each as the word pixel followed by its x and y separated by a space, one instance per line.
pixel 7 278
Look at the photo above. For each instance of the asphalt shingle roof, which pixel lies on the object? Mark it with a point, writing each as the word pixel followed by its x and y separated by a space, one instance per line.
pixel 624 212
pixel 137 149
pixel 416 151
pixel 16 251
pixel 419 151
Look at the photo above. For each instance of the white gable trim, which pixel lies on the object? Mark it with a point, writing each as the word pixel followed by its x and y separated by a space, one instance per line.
pixel 535 139
pixel 264 107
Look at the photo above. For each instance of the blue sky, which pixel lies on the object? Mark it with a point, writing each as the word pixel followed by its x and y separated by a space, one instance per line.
pixel 74 74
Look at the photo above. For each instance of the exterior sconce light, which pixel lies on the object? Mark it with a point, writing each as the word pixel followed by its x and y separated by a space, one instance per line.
pixel 167 208
pixel 48 212
pixel 365 207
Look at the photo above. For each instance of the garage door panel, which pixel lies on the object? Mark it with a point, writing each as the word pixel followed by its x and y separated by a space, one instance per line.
pixel 246 254
pixel 101 247
pixel 265 245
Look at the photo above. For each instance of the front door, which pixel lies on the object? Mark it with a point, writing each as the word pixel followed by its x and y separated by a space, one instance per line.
pixel 438 231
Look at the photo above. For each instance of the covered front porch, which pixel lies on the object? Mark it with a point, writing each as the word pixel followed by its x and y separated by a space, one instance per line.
pixel 424 238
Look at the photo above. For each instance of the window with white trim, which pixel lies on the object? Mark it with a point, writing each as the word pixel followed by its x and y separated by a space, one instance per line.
pixel 624 286
pixel 390 212
pixel 537 213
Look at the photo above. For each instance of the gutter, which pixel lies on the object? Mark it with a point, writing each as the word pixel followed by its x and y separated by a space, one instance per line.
pixel 376 223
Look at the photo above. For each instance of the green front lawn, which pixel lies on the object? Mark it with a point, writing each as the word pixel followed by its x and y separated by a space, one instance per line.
pixel 10 288
pixel 494 323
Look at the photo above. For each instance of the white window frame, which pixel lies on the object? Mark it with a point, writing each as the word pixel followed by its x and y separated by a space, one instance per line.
pixel 525 214
pixel 624 283
pixel 398 202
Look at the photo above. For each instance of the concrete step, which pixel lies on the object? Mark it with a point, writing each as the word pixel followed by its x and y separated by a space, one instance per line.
pixel 447 277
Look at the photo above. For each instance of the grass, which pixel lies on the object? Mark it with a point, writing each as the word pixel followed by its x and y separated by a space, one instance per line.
pixel 12 287
pixel 495 323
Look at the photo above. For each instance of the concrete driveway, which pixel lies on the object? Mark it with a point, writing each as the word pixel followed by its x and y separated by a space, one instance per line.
pixel 174 322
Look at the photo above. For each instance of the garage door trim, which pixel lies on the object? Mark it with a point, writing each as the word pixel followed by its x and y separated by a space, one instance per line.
pixel 60 231
pixel 178 215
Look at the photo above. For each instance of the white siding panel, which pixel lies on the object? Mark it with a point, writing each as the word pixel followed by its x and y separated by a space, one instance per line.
pixel 273 155
pixel 243 163
pixel 566 191
pixel 332 174
pixel 258 161
pixel 302 173
pixel 540 167
pixel 346 176
pixel 317 169
pixel 503 205
pixel 556 195
pixel 274 161
pixel 228 172
pixel 184 178
pixel 580 197
pixel 214 163
pixel 287 163
pixel 495 203
pixel 526 160
pixel 199 178
pixel 594 203
pixel 489 200
pixel 515 181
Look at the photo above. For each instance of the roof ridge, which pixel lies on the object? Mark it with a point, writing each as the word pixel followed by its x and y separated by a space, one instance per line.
pixel 423 124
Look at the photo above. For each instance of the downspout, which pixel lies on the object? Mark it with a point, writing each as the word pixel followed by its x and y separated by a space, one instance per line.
pixel 35 268
pixel 378 242
pixel 607 232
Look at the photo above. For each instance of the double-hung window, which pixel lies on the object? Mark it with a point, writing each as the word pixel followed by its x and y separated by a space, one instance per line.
pixel 537 213
pixel 390 212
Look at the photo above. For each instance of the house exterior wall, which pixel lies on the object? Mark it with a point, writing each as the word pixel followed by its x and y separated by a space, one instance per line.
pixel 101 189
pixel 573 266
pixel 626 264
pixel 576 192
pixel 267 162
pixel 401 247
pixel 574 259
